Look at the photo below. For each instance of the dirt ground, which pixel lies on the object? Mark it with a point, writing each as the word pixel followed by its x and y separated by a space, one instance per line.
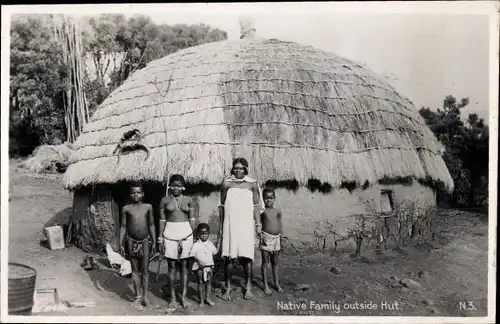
pixel 451 269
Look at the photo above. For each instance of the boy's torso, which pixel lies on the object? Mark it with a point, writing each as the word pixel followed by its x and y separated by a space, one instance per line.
pixel 137 220
pixel 271 223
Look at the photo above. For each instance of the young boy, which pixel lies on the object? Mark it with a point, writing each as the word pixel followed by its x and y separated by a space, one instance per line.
pixel 203 252
pixel 136 233
pixel 270 238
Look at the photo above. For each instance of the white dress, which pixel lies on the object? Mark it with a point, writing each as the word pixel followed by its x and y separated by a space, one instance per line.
pixel 238 233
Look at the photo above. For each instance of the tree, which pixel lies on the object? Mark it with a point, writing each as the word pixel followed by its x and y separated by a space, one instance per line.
pixel 68 36
pixel 36 80
pixel 60 75
pixel 466 150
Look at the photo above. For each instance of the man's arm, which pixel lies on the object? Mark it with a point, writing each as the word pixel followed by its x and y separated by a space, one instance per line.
pixel 123 228
pixel 151 224
pixel 280 220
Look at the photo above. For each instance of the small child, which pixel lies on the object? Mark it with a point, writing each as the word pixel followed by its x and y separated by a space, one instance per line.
pixel 137 232
pixel 270 238
pixel 203 252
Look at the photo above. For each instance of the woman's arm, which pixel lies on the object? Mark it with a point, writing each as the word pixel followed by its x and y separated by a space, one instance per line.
pixel 256 206
pixel 163 218
pixel 223 194
pixel 192 214
pixel 151 225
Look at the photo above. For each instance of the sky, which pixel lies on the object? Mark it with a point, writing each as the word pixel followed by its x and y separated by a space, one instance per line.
pixel 426 50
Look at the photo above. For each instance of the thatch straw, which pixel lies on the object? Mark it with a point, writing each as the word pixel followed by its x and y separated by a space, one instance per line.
pixel 293 111
pixel 46 157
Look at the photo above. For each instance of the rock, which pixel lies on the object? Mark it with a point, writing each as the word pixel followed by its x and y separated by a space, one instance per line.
pixel 301 287
pixel 429 302
pixel 335 270
pixel 403 289
pixel 365 260
pixel 422 274
pixel 74 304
pixel 409 283
pixel 395 285
pixel 394 278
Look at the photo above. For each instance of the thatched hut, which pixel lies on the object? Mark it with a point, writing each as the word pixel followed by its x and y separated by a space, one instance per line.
pixel 334 138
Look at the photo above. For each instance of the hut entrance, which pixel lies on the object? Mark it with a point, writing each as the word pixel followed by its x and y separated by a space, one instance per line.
pixel 153 193
pixel 97 212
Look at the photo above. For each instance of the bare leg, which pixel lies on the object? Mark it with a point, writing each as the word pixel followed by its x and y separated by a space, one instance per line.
pixel 274 265
pixel 208 290
pixel 184 275
pixel 263 269
pixel 145 274
pixel 199 281
pixel 228 264
pixel 136 280
pixel 248 269
pixel 172 269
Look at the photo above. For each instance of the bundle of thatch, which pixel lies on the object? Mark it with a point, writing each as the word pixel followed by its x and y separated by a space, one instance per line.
pixel 294 111
pixel 49 158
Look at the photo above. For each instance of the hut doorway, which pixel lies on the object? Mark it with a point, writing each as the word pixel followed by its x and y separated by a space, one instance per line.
pixel 153 193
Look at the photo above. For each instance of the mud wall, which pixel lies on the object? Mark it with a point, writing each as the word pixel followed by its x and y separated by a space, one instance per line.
pixel 94 218
pixel 334 220
pixel 313 218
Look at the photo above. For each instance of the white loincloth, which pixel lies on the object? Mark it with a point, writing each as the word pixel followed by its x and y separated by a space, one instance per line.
pixel 270 242
pixel 175 233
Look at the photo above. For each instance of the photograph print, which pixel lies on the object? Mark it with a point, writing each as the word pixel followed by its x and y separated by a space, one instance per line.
pixel 279 160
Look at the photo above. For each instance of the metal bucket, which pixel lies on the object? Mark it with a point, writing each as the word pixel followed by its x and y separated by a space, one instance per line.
pixel 21 289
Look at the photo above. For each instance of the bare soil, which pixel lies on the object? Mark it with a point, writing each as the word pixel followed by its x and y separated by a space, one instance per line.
pixel 450 269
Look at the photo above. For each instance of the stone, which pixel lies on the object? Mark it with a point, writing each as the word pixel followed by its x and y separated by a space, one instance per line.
pixel 395 285
pixel 429 302
pixel 409 283
pixel 422 274
pixel 365 260
pixel 335 270
pixel 299 287
pixel 394 278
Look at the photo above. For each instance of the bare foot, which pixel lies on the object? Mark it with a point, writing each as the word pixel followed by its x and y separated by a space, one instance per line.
pixel 279 289
pixel 145 302
pixel 137 304
pixel 209 302
pixel 201 304
pixel 172 304
pixel 185 304
pixel 267 291
pixel 248 294
pixel 226 296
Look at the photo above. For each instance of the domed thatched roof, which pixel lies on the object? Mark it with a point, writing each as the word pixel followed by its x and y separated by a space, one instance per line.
pixel 294 112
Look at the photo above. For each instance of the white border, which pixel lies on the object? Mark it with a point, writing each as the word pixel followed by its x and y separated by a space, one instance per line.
pixel 489 8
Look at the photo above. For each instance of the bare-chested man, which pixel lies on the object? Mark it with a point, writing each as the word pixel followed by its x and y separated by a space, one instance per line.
pixel 137 232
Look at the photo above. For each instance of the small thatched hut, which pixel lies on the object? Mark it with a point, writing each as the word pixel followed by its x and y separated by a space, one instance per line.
pixel 335 139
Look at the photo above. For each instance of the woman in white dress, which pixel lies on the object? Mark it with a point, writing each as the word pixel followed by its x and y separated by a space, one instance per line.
pixel 239 213
pixel 177 222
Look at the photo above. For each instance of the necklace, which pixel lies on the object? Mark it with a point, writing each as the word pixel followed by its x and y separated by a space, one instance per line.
pixel 177 201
